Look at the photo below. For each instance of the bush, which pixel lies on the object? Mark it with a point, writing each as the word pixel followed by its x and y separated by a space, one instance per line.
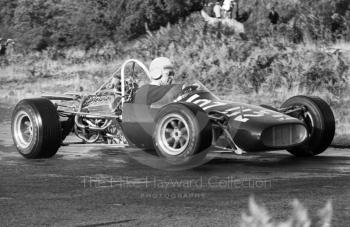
pixel 248 67
pixel 258 216
pixel 39 24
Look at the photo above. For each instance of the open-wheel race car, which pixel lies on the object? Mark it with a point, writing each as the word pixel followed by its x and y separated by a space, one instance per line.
pixel 183 122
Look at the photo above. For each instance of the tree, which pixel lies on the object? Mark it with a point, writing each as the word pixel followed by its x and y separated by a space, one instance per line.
pixel 38 24
pixel 7 10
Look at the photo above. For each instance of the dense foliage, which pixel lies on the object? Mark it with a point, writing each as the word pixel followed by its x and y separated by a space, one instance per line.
pixel 301 20
pixel 228 63
pixel 37 24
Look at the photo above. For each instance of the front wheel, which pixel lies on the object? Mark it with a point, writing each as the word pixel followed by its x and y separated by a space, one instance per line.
pixel 182 132
pixel 319 119
pixel 35 127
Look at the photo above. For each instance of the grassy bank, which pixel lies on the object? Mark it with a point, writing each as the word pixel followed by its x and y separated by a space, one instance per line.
pixel 267 71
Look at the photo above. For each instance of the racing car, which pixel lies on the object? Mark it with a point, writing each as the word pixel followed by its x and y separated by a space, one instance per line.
pixel 177 130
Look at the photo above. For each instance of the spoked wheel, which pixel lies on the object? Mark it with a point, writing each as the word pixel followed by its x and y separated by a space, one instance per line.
pixel 319 119
pixel 181 132
pixel 174 134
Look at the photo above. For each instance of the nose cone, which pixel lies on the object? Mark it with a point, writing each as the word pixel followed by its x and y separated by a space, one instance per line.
pixel 267 132
pixel 282 136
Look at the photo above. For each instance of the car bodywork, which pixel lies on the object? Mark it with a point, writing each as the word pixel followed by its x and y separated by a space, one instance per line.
pixel 239 126
pixel 176 126
pixel 250 128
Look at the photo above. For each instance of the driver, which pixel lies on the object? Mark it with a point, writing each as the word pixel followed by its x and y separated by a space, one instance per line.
pixel 160 91
pixel 161 71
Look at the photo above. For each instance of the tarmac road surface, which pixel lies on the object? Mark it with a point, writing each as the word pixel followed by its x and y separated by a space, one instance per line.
pixel 91 186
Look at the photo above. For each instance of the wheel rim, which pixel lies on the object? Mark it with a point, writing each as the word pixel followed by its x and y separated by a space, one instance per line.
pixel 309 121
pixel 23 130
pixel 173 134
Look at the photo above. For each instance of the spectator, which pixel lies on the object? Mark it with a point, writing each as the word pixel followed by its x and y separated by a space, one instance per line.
pixel 227 7
pixel 217 10
pixel 234 10
pixel 209 9
pixel 274 16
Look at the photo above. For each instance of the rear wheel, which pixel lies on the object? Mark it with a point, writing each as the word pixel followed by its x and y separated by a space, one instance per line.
pixel 319 119
pixel 36 129
pixel 182 131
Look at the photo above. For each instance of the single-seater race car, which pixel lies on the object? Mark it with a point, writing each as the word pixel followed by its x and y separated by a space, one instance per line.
pixel 184 122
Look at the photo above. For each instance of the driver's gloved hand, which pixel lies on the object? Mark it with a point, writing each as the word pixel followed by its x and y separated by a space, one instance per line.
pixel 189 88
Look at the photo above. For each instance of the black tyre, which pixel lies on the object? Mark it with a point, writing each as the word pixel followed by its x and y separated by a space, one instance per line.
pixel 181 132
pixel 319 118
pixel 36 129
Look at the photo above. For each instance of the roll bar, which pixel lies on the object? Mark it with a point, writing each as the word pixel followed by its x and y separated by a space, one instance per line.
pixel 122 78
pixel 145 69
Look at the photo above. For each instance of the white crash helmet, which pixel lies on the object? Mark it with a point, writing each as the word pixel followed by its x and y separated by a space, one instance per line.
pixel 157 68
